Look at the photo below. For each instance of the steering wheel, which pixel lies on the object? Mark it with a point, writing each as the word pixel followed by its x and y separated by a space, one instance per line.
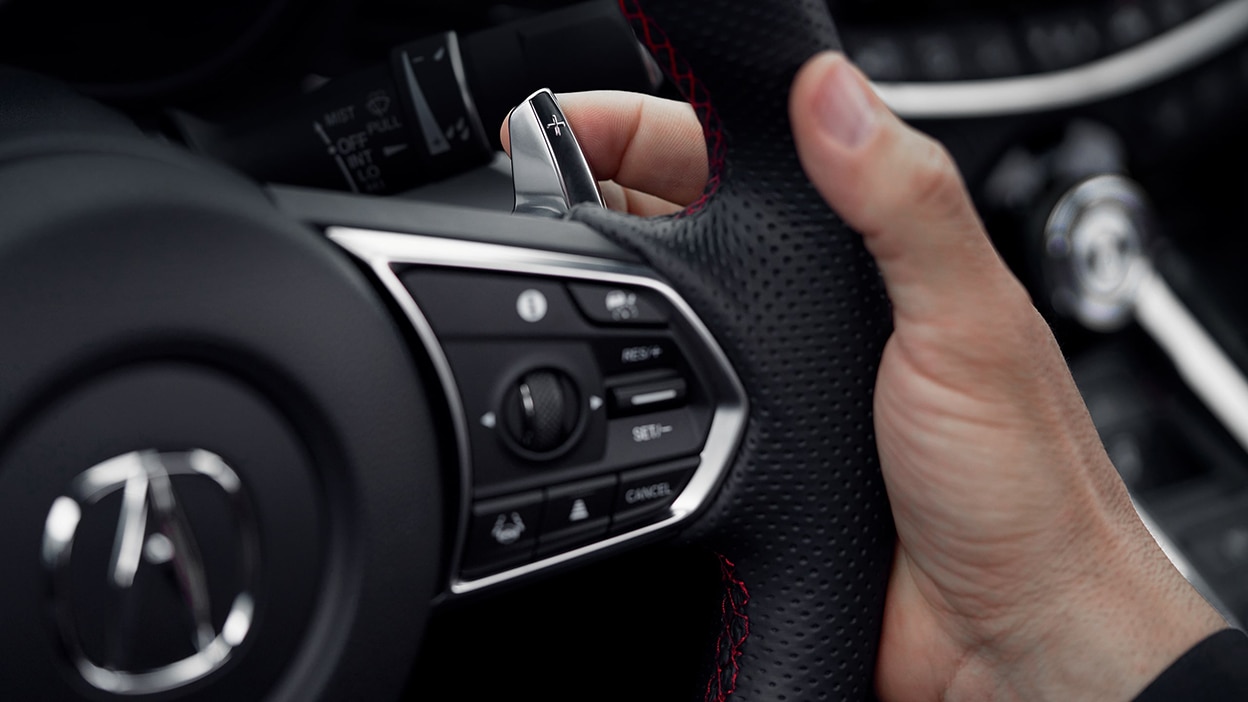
pixel 175 351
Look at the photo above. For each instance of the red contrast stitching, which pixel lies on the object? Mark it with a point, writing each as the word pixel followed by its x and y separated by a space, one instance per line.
pixel 694 91
pixel 732 637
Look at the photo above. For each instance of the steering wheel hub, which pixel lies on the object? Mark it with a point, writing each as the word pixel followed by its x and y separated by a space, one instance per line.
pixel 213 429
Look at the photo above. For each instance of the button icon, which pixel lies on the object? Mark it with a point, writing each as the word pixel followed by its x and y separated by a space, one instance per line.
pixel 611 304
pixel 640 354
pixel 507 530
pixel 556 124
pixel 576 514
pixel 650 432
pixel 648 493
pixel 378 103
pixel 531 305
pixel 393 149
pixel 621 305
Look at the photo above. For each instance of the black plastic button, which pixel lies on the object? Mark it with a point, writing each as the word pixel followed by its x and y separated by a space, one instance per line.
pixel 1062 40
pixel 992 52
pixel 644 495
pixel 503 533
pixel 573 538
pixel 650 438
pixel 459 304
pixel 619 305
pixel 880 56
pixel 1171 13
pixel 630 355
pixel 937 57
pixel 1128 24
pixel 576 513
pixel 648 396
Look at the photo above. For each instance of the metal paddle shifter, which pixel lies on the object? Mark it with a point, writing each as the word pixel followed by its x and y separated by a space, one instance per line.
pixel 548 168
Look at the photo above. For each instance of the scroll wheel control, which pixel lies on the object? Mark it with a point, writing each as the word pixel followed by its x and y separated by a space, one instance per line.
pixel 542 410
pixel 548 169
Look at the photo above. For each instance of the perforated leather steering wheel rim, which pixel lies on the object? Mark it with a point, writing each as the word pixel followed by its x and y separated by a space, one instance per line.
pixel 801 523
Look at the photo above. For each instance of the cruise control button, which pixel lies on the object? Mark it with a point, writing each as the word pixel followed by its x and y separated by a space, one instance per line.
pixel 573 506
pixel 645 494
pixel 502 534
pixel 650 438
pixel 642 397
pixel 607 304
pixel 576 514
pixel 631 355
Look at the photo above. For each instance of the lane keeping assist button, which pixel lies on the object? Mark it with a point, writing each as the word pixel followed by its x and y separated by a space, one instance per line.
pixel 644 495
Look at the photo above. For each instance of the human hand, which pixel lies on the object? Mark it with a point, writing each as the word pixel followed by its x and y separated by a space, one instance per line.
pixel 1022 570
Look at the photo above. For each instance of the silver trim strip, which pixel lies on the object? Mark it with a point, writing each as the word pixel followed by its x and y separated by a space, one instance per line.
pixel 1206 369
pixel 435 140
pixel 465 94
pixel 1184 566
pixel 382 250
pixel 1171 53
pixel 1211 375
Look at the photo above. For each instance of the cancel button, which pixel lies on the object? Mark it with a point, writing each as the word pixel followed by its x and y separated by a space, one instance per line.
pixel 644 495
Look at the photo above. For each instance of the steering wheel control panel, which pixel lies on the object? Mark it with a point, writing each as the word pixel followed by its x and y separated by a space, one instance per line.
pixel 591 407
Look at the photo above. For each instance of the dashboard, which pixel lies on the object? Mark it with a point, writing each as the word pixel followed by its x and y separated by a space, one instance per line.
pixel 1033 99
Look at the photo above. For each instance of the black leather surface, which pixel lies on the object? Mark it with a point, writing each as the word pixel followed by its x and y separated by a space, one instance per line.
pixel 38 105
pixel 802 520
pixel 150 300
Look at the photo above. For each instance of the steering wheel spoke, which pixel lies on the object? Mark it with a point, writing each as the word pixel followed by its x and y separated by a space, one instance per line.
pixel 560 387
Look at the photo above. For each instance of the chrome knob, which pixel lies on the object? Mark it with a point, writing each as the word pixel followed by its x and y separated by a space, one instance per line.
pixel 1096 251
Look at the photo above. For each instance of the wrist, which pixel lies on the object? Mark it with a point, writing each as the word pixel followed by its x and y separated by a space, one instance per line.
pixel 1104 631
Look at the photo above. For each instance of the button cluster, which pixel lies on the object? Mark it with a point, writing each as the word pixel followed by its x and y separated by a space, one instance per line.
pixel 986 47
pixel 510 531
pixel 585 418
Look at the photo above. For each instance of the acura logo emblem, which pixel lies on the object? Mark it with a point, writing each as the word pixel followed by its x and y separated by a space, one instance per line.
pixel 153 558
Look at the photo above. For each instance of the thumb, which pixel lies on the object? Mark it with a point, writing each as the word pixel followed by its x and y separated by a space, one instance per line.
pixel 901 190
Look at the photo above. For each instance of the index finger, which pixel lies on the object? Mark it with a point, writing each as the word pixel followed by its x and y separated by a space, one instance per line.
pixel 641 142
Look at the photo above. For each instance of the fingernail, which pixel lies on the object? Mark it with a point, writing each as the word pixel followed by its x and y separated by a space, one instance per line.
pixel 845 112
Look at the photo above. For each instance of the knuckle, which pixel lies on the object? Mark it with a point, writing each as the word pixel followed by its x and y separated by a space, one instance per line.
pixel 934 181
